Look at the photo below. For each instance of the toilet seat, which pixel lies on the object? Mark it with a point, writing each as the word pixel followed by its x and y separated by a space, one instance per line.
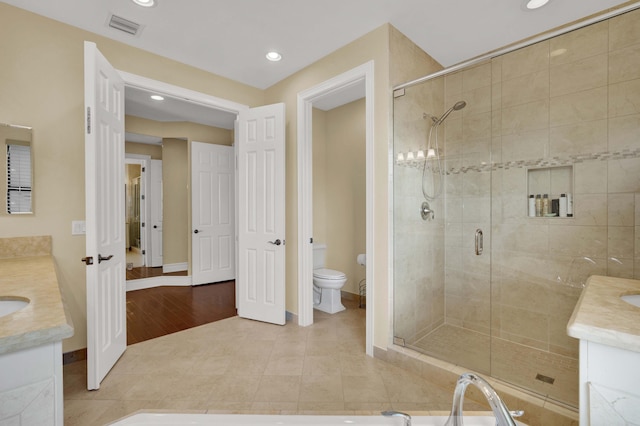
pixel 328 274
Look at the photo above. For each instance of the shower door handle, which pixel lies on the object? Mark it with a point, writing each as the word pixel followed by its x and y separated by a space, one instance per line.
pixel 479 242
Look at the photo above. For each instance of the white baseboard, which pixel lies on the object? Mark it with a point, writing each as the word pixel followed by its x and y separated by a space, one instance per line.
pixel 175 267
pixel 143 283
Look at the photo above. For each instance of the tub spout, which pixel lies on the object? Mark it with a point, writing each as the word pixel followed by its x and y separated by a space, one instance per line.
pixel 500 410
pixel 406 418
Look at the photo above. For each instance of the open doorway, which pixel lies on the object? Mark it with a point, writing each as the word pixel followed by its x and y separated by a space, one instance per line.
pixel 159 132
pixel 351 85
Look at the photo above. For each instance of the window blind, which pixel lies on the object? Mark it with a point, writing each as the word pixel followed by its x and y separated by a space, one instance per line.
pixel 18 179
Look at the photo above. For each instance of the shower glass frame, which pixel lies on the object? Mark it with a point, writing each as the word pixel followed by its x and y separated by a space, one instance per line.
pixel 446 293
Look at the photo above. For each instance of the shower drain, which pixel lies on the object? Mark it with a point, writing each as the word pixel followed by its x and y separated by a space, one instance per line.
pixel 545 379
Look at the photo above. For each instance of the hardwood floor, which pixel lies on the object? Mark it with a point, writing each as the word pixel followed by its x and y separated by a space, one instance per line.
pixel 157 311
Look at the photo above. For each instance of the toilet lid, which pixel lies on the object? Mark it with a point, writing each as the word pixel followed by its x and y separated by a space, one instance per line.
pixel 328 274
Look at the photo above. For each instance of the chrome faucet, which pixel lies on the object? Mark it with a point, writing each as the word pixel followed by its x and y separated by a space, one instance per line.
pixel 500 410
pixel 406 418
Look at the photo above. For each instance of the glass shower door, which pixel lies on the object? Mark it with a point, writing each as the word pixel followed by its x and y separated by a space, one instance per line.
pixel 442 266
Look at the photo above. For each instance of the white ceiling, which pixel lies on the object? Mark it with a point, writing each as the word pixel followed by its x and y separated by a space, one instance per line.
pixel 231 37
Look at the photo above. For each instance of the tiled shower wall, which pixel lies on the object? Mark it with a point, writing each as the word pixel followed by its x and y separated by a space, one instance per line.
pixel 419 260
pixel 571 101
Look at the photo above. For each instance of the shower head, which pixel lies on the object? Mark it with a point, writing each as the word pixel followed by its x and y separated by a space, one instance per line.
pixel 456 107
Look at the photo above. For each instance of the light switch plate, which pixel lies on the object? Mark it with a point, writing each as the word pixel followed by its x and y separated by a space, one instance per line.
pixel 78 227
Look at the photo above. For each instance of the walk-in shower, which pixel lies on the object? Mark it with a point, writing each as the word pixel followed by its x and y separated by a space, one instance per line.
pixel 534 122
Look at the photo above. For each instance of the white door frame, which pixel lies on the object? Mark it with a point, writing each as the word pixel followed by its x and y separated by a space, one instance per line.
pixel 305 191
pixel 143 161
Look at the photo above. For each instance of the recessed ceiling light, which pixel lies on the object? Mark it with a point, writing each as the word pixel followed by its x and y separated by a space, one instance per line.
pixel 157 98
pixel 558 52
pixel 145 3
pixel 535 4
pixel 274 56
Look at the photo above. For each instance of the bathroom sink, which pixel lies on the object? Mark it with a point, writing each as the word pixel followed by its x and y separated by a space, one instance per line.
pixel 9 306
pixel 633 299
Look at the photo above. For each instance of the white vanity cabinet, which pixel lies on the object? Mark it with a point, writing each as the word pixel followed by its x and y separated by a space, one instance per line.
pixel 609 333
pixel 31 343
pixel 31 386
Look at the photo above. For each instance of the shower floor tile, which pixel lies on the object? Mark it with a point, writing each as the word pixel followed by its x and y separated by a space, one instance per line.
pixel 458 346
pixel 508 361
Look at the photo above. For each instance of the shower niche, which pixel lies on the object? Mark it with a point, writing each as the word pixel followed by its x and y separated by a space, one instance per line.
pixel 550 192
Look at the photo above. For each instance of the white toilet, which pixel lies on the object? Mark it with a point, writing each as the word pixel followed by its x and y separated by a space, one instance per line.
pixel 326 283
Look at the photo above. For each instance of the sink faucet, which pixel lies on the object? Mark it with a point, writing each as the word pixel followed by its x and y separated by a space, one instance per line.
pixel 405 416
pixel 500 410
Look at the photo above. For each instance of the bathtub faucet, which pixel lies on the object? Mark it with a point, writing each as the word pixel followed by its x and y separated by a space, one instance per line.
pixel 500 410
pixel 405 416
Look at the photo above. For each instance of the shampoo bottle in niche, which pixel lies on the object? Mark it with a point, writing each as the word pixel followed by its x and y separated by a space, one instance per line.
pixel 563 205
pixel 538 206
pixel 545 205
pixel 569 204
pixel 532 206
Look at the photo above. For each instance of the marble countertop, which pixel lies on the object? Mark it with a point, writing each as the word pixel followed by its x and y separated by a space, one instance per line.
pixel 44 319
pixel 601 316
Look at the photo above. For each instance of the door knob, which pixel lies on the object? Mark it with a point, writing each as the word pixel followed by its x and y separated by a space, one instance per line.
pixel 155 226
pixel 88 260
pixel 196 231
pixel 276 242
pixel 101 258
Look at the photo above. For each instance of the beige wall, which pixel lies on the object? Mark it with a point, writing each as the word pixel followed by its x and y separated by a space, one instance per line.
pixel 153 151
pixel 42 76
pixel 372 46
pixel 319 175
pixel 175 211
pixel 346 195
pixel 339 207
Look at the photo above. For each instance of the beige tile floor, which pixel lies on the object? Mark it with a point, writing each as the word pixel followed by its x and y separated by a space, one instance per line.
pixel 244 366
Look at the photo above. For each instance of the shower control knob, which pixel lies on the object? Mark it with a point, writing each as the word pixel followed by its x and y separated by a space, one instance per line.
pixel 426 212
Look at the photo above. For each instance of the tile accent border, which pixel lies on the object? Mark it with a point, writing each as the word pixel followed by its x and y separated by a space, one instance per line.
pixel 533 163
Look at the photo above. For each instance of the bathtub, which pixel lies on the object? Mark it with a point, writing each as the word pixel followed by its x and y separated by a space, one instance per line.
pixel 175 419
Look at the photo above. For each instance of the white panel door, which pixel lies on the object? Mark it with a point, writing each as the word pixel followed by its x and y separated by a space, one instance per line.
pixel 155 211
pixel 213 213
pixel 105 239
pixel 261 216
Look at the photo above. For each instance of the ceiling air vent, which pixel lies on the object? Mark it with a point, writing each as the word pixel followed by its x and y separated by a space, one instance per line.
pixel 124 25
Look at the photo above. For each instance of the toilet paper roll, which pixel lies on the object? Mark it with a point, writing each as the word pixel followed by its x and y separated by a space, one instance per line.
pixel 362 259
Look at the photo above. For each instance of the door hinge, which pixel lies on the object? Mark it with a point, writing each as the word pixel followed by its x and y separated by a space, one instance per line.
pixel 143 170
pixel 144 252
pixel 142 225
pixel 88 120
pixel 311 240
pixel 142 197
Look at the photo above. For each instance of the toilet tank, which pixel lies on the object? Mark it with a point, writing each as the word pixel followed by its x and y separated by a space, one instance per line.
pixel 319 255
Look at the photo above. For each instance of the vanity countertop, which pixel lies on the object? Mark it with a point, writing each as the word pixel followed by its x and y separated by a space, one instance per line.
pixel 601 316
pixel 44 319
